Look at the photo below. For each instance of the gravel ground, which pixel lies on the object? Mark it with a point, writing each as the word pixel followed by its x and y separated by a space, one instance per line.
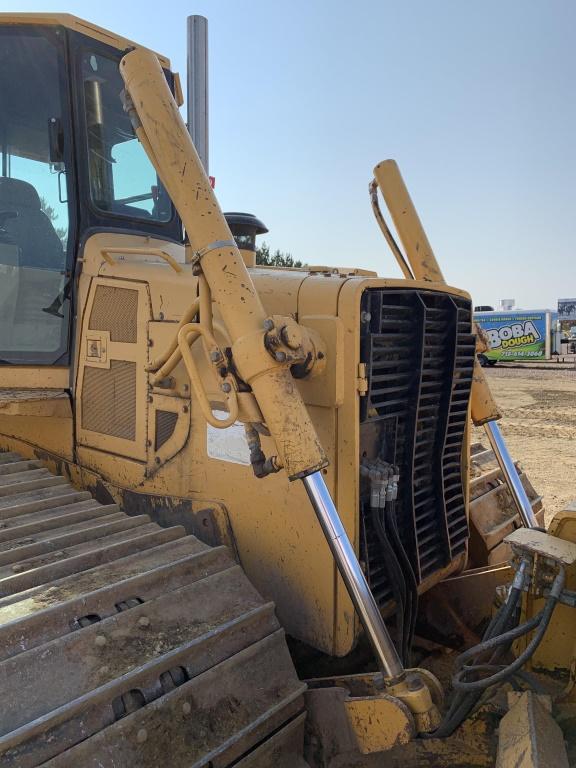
pixel 539 424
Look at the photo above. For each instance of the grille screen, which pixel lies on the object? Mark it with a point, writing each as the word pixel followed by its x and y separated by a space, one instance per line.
pixel 109 399
pixel 419 352
pixel 115 310
pixel 165 426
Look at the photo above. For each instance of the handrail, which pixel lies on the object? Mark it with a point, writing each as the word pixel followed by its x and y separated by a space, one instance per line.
pixel 106 252
pixel 187 335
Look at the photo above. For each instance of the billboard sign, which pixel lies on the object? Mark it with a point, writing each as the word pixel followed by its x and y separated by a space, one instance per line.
pixel 516 335
pixel 567 309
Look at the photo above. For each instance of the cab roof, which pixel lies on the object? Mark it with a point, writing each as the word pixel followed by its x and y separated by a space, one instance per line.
pixel 78 25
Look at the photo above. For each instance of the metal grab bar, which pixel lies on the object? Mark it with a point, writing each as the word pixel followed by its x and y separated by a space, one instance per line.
pixel 107 253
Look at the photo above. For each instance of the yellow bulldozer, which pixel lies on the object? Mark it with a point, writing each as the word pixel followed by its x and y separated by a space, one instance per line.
pixel 244 519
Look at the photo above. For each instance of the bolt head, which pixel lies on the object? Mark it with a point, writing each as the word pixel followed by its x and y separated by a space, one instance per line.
pixel 142 735
pixel 292 336
pixel 226 387
pixel 280 356
pixel 143 622
pixel 215 356
pixel 100 641
pixel 268 324
pixel 413 683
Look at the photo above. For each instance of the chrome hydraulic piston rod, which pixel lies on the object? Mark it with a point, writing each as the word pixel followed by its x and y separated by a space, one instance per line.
pixel 386 655
pixel 513 480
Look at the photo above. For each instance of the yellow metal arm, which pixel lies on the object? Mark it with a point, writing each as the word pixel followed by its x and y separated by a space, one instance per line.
pixel 407 222
pixel 424 266
pixel 162 131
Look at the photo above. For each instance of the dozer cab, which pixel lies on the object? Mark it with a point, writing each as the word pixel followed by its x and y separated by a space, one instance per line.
pixel 243 520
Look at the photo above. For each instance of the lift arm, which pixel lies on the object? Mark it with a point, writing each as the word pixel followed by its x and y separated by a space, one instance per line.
pixel 162 132
pixel 424 266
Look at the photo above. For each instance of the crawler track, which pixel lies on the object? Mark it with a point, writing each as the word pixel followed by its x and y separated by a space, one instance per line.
pixel 126 644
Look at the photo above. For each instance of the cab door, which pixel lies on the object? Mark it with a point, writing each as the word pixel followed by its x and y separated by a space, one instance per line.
pixel 37 241
pixel 36 232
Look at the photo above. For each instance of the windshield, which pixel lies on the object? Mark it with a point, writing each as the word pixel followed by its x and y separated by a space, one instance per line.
pixel 122 179
pixel 34 218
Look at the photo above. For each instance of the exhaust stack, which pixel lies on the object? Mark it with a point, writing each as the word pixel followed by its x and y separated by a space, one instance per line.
pixel 197 85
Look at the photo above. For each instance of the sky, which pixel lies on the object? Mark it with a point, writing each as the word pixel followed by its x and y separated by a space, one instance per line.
pixel 473 98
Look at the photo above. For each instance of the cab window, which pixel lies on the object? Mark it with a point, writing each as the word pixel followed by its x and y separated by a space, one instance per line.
pixel 34 212
pixel 122 179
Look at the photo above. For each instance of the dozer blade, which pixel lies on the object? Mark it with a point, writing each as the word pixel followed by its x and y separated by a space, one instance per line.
pixel 126 644
pixel 493 514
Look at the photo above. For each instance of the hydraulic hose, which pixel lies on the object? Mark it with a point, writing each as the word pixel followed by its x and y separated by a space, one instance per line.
pixel 384 479
pixel 396 579
pixel 409 577
pixel 463 703
pixel 400 258
pixel 498 638
pixel 539 622
pixel 503 639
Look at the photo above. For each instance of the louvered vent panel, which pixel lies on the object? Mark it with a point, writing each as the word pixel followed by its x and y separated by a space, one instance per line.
pixel 419 352
pixel 165 426
pixel 115 310
pixel 109 400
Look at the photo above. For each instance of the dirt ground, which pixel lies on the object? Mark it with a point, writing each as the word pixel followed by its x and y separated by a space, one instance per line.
pixel 539 424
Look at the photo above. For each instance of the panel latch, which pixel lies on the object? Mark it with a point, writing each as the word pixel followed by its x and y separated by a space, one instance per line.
pixel 362 380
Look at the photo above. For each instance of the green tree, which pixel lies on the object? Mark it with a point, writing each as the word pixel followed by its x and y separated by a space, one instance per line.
pixel 276 259
pixel 62 232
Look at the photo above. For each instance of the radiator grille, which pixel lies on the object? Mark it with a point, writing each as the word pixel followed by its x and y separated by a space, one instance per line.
pixel 115 310
pixel 109 399
pixel 419 353
pixel 165 426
